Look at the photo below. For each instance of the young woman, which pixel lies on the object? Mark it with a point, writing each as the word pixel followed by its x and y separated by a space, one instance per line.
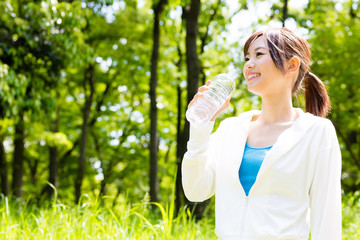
pixel 276 172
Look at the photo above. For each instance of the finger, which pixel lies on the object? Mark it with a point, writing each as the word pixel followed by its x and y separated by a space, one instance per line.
pixel 196 96
pixel 223 107
pixel 200 92
pixel 227 102
pixel 191 103
pixel 203 88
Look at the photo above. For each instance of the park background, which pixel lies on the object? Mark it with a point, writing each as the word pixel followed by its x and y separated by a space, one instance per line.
pixel 93 97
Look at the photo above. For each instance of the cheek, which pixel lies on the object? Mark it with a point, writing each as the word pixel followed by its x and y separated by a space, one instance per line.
pixel 266 61
pixel 270 67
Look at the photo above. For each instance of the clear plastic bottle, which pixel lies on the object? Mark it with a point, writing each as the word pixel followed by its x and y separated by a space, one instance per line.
pixel 204 108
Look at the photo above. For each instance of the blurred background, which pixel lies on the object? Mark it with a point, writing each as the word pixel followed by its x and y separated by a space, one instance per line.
pixel 93 94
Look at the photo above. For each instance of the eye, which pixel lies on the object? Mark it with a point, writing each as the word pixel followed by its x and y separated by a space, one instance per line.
pixel 259 54
pixel 246 59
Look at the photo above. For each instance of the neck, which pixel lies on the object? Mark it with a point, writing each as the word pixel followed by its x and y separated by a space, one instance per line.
pixel 277 109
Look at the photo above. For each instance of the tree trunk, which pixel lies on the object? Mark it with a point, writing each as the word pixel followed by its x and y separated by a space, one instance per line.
pixel 53 163
pixel 193 70
pixel 33 166
pixel 353 10
pixel 105 169
pixel 192 62
pixel 53 167
pixel 3 170
pixel 91 123
pixel 204 39
pixel 89 77
pixel 179 191
pixel 154 181
pixel 285 12
pixel 18 164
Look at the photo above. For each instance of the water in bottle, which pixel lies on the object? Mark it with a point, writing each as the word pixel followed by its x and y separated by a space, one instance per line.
pixel 204 108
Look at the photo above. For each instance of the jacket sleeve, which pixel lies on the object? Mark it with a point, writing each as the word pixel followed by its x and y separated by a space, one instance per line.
pixel 325 192
pixel 198 170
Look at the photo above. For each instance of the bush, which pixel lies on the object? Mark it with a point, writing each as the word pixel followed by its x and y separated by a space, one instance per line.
pixel 351 216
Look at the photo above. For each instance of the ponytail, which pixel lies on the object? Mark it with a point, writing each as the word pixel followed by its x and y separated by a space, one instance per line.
pixel 317 100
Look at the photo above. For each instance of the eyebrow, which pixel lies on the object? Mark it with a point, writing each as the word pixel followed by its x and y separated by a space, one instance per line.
pixel 256 49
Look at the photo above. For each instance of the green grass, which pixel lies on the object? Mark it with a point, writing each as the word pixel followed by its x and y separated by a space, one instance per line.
pixel 91 220
pixel 131 221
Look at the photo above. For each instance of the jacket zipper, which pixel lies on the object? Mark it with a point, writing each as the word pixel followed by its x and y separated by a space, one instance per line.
pixel 244 216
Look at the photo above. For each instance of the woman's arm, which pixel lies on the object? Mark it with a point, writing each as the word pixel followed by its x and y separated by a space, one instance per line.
pixel 325 193
pixel 198 170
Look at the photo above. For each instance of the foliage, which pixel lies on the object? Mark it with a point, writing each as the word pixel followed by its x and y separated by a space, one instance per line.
pixel 96 219
pixel 90 219
pixel 66 38
pixel 334 38
pixel 12 88
pixel 36 41
pixel 351 216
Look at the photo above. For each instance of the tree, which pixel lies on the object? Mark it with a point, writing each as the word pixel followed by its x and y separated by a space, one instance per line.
pixel 200 62
pixel 7 96
pixel 334 36
pixel 80 77
pixel 285 12
pixel 154 184
pixel 32 46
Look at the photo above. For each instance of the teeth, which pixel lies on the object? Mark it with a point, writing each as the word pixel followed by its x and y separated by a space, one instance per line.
pixel 253 75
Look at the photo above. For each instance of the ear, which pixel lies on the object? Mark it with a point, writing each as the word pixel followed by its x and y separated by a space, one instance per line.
pixel 293 65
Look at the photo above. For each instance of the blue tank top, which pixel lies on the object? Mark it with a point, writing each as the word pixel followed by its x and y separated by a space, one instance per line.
pixel 250 165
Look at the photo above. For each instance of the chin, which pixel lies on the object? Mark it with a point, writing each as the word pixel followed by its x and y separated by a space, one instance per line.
pixel 254 89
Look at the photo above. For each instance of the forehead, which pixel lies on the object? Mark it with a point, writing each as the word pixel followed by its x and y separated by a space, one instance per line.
pixel 258 43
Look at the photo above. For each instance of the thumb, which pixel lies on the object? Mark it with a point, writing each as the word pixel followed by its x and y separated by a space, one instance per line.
pixel 223 107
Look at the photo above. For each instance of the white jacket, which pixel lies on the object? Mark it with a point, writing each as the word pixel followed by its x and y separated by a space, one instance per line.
pixel 301 172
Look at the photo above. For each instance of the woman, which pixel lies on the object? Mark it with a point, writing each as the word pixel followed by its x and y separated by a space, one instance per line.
pixel 276 172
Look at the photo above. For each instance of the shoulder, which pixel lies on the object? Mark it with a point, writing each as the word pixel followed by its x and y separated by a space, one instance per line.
pixel 319 123
pixel 322 129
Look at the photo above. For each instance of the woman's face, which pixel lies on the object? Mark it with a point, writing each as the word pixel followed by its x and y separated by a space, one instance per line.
pixel 261 74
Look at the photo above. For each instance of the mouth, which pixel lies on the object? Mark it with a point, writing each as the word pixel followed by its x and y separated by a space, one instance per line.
pixel 252 76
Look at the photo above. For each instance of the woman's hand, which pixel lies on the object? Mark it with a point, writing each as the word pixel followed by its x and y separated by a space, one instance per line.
pixel 200 93
pixel 223 107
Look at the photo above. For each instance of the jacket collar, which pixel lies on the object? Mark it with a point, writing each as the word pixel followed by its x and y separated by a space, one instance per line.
pixel 286 141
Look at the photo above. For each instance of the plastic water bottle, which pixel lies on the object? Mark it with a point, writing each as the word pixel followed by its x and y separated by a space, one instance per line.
pixel 204 108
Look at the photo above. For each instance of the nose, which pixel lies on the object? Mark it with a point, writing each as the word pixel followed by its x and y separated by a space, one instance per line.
pixel 249 65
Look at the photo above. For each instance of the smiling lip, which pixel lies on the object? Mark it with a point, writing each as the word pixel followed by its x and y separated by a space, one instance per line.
pixel 251 76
